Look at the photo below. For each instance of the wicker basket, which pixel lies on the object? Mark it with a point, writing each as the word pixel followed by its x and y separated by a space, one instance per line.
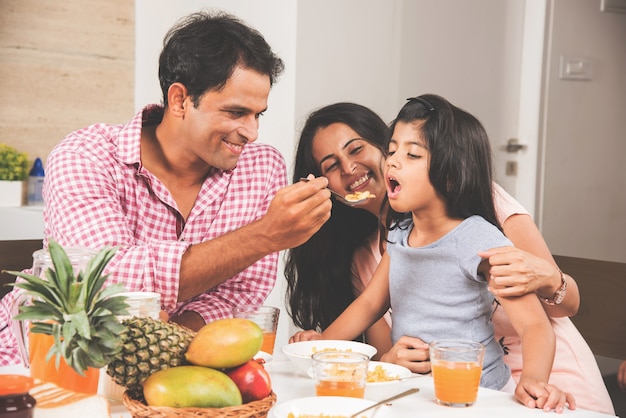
pixel 256 409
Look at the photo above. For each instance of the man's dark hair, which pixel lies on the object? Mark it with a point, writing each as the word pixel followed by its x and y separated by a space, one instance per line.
pixel 203 49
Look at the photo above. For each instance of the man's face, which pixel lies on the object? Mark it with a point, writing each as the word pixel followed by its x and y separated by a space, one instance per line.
pixel 225 120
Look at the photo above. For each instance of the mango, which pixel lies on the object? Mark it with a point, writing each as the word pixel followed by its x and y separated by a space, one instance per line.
pixel 225 343
pixel 191 387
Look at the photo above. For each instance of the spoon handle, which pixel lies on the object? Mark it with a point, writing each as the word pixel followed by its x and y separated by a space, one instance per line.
pixel 384 401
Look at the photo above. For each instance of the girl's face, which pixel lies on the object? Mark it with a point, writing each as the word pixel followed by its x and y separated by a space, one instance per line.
pixel 406 169
pixel 350 163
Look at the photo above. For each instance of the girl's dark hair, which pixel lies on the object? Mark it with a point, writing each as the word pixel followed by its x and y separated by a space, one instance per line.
pixel 460 166
pixel 202 50
pixel 319 272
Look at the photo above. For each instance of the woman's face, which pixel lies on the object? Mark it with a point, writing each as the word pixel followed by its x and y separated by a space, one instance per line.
pixel 350 163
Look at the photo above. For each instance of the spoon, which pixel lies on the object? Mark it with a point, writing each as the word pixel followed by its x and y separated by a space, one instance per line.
pixel 342 198
pixel 384 401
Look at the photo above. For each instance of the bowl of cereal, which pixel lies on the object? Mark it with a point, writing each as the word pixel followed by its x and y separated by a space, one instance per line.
pixel 330 406
pixel 384 380
pixel 300 353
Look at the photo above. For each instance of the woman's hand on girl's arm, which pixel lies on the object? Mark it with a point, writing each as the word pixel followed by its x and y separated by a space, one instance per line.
pixel 515 272
pixel 525 235
pixel 308 335
pixel 411 353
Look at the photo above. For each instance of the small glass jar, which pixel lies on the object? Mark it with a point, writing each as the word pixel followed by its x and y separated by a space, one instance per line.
pixel 15 401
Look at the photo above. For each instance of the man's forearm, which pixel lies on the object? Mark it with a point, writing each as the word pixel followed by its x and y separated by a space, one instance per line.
pixel 211 263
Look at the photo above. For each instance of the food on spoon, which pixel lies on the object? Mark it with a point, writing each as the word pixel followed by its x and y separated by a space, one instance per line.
pixel 148 345
pixel 225 343
pixel 356 196
pixel 191 387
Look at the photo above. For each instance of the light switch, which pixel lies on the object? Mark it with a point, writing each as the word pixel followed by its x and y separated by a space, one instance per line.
pixel 575 68
pixel 511 168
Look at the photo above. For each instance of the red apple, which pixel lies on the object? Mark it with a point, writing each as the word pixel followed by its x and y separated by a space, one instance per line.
pixel 252 380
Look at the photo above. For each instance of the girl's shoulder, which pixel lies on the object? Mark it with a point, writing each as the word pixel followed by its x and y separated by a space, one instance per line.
pixel 477 230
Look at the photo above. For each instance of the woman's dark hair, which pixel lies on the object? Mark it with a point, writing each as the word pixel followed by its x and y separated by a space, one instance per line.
pixel 460 166
pixel 319 272
pixel 203 49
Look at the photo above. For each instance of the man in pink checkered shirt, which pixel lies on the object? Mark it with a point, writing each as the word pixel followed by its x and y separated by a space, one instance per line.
pixel 198 210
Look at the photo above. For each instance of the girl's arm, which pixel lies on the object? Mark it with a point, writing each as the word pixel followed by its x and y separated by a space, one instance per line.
pixel 538 345
pixel 529 267
pixel 369 307
pixel 379 335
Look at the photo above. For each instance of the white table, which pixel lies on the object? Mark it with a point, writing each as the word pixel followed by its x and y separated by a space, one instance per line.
pixel 289 383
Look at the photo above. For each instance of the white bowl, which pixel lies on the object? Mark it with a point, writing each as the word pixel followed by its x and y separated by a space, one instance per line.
pixel 377 391
pixel 300 353
pixel 329 406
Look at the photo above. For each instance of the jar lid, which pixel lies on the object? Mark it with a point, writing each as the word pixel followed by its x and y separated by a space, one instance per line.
pixel 14 383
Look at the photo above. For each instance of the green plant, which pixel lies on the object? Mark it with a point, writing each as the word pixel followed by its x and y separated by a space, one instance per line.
pixel 13 164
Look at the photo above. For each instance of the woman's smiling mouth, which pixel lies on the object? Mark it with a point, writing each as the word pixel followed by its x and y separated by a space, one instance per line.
pixel 359 182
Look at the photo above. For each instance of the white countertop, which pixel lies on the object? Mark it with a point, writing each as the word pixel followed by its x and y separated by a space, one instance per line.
pixel 23 222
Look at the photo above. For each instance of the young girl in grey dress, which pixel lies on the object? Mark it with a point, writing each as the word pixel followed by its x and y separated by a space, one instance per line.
pixel 439 176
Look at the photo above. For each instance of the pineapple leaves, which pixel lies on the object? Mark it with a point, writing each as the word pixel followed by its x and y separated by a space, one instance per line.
pixel 39 288
pixel 38 311
pixel 63 273
pixel 76 308
pixel 76 323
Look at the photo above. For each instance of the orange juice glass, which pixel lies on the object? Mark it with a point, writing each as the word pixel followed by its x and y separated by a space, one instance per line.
pixel 335 388
pixel 265 317
pixel 340 373
pixel 456 367
pixel 64 376
pixel 269 340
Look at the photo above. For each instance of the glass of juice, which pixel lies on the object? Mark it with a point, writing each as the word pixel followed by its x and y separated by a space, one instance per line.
pixel 265 317
pixel 340 373
pixel 456 368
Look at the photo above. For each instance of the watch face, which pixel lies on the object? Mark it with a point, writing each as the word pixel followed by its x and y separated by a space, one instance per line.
pixel 560 295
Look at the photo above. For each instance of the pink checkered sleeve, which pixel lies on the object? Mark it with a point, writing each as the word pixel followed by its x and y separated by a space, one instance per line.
pixel 93 201
pixel 9 353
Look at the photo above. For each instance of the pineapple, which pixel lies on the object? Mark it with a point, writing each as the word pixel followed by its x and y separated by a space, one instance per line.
pixel 76 309
pixel 148 345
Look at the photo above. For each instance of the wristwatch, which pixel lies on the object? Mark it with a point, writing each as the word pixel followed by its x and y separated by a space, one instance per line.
pixel 559 295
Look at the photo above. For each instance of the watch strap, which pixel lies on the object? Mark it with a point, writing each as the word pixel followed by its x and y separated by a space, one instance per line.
pixel 559 295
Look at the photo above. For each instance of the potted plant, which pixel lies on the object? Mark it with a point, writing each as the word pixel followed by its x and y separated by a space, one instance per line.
pixel 13 172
